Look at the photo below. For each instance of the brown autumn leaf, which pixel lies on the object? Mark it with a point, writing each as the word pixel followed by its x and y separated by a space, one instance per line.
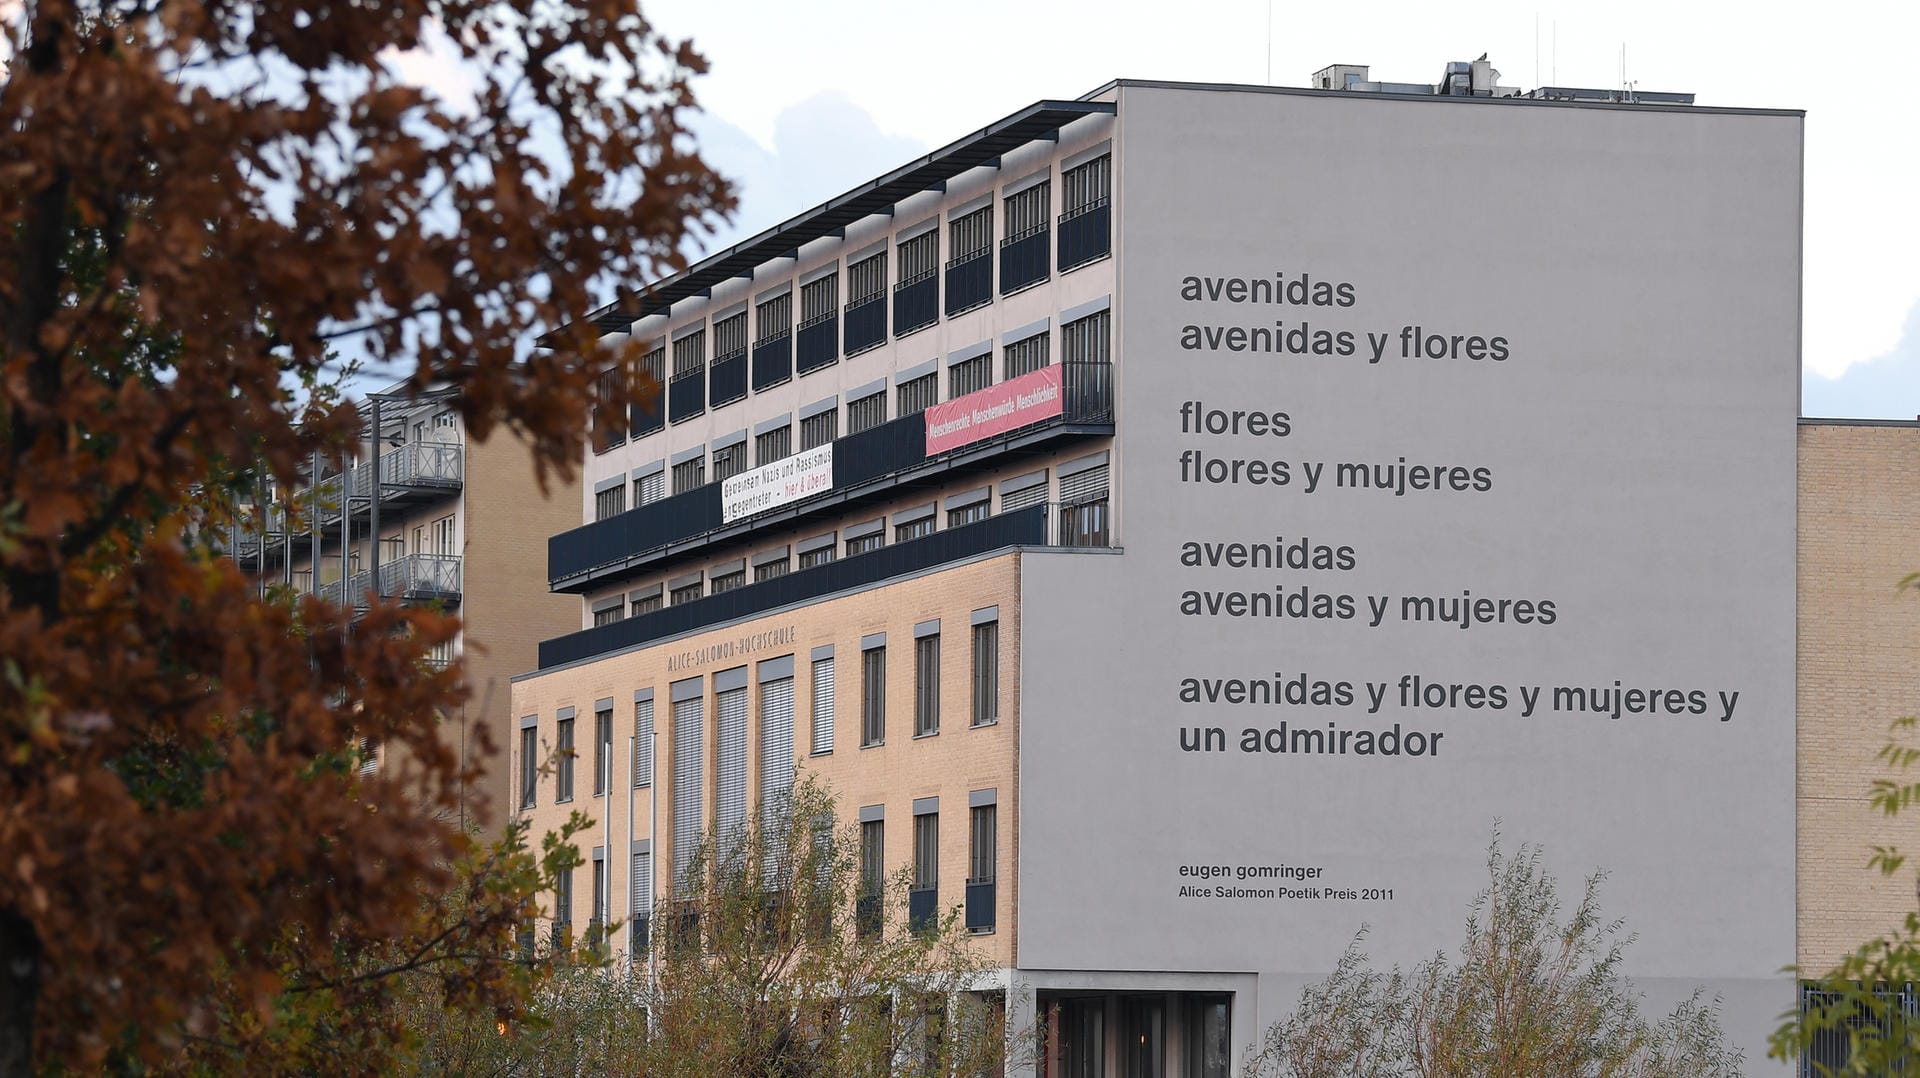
pixel 204 205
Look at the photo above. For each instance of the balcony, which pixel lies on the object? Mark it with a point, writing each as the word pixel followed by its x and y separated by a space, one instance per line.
pixel 916 303
pixel 980 910
pixel 1023 260
pixel 687 395
pixel 970 281
pixel 414 473
pixel 1022 527
pixel 415 578
pixel 1085 234
pixel 819 344
pixel 867 324
pixel 869 464
pixel 772 361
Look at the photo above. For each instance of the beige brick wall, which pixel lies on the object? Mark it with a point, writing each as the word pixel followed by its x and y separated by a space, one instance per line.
pixel 1859 535
pixel 507 609
pixel 949 765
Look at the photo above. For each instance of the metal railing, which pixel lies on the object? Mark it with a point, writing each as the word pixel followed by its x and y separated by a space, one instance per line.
pixel 727 380
pixel 1085 234
pixel 970 281
pixel 1079 524
pixel 916 303
pixel 867 323
pixel 819 342
pixel 980 908
pixel 1023 259
pixel 890 449
pixel 413 577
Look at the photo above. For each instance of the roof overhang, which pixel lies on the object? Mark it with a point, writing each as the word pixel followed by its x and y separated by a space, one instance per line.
pixel 1040 120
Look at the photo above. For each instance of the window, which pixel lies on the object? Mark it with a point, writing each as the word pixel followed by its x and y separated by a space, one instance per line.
pixel 643 742
pixel 648 414
pixel 1027 355
pixel 729 581
pixel 639 904
pixel 919 257
pixel 926 685
pixel 688 786
pixel 913 529
pixel 1209 1047
pixel 562 906
pixel 690 354
pixel 972 236
pixel 866 413
pixel 819 429
pixel 983 852
pixel 369 756
pixel 729 461
pixel 609 421
pixel 730 766
pixel 529 765
pixel 730 336
pixel 1031 491
pixel 772 569
pixel 822 706
pixel 867 280
pixel 646 604
pixel 1027 211
pixel 1083 508
pixel 1086 186
pixel 811 558
pixel 873 696
pixel 819 299
pixel 774 318
pixel 919 395
pixel 649 488
pixel 443 536
pixel 610 502
pixel 776 766
pixel 864 543
pixel 968 514
pixel 598 922
pixel 986 673
pixel 607 615
pixel 873 876
pixel 926 851
pixel 689 474
pixel 602 750
pixel 1085 341
pixel 686 594
pixel 563 760
pixel 969 375
pixel 773 445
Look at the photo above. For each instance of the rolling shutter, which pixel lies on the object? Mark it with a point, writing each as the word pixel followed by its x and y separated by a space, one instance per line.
pixel 1090 485
pixel 730 768
pixel 689 736
pixel 776 768
pixel 823 705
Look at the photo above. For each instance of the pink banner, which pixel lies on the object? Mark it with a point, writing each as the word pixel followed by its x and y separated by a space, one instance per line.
pixel 994 410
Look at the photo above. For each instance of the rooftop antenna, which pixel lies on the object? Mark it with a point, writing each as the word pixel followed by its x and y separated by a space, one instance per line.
pixel 1536 48
pixel 1269 42
pixel 1554 57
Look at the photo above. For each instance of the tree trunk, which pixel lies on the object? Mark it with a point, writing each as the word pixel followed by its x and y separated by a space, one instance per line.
pixel 19 991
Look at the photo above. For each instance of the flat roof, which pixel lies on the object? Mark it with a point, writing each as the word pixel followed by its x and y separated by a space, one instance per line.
pixel 1516 101
pixel 928 173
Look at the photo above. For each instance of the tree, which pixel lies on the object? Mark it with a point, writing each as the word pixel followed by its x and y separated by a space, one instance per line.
pixel 201 202
pixel 1859 1018
pixel 755 970
pixel 1530 994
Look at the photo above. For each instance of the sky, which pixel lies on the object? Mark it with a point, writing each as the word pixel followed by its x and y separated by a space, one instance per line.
pixel 805 101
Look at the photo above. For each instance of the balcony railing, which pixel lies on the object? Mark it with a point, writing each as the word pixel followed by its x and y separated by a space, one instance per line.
pixel 411 577
pixel 980 910
pixel 728 378
pixel 1085 234
pixel 819 343
pixel 916 303
pixel 888 450
pixel 1023 260
pixel 687 395
pixel 923 909
pixel 970 281
pixel 867 323
pixel 772 361
pixel 1021 527
pixel 649 413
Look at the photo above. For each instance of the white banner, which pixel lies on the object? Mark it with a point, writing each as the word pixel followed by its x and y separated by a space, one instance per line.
pixel 788 479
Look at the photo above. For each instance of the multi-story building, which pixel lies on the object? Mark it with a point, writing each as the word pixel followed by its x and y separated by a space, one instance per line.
pixel 461 524
pixel 1182 524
